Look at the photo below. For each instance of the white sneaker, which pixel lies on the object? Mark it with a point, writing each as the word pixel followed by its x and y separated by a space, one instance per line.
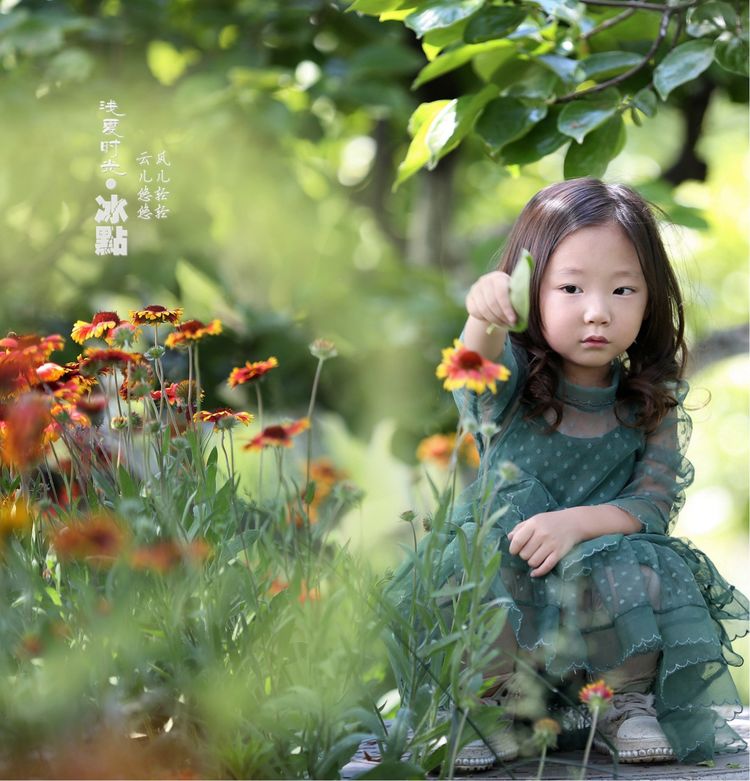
pixel 630 726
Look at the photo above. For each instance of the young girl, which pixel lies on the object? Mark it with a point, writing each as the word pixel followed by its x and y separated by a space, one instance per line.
pixel 592 418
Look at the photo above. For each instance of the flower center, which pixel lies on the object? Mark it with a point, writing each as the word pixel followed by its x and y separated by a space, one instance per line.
pixel 105 317
pixel 470 360
pixel 276 432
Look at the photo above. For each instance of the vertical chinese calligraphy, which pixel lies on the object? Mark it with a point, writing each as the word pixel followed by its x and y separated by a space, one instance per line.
pixel 111 237
pixel 153 200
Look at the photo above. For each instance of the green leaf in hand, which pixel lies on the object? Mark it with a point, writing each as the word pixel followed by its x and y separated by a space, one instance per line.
pixel 520 289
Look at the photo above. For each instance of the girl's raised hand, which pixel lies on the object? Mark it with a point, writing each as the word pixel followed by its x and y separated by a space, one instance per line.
pixel 489 300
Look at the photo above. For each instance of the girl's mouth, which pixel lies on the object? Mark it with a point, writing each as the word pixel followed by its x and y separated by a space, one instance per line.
pixel 595 340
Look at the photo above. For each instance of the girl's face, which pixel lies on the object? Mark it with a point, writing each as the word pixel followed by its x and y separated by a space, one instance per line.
pixel 592 301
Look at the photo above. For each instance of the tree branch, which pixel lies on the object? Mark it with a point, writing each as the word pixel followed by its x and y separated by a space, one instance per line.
pixel 637 5
pixel 717 346
pixel 663 27
pixel 607 23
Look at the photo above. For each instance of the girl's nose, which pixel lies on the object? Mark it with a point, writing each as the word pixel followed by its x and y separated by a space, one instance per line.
pixel 596 311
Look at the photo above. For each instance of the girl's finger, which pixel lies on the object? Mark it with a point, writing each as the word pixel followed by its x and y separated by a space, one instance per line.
pixel 542 553
pixel 546 566
pixel 503 298
pixel 492 306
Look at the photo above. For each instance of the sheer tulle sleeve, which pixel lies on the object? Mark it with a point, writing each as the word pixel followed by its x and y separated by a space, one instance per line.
pixel 656 491
pixel 491 407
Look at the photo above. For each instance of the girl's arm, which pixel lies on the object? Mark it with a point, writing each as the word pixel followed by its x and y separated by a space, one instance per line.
pixel 488 303
pixel 544 539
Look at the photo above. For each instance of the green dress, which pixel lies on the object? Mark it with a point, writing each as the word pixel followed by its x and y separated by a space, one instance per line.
pixel 616 595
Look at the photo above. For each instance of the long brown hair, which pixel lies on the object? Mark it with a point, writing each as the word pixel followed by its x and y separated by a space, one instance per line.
pixel 656 360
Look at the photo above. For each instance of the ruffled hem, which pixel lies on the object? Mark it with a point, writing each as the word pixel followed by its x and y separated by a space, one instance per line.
pixel 611 599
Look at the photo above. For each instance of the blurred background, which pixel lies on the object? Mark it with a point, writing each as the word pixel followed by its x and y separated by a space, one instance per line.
pixel 284 123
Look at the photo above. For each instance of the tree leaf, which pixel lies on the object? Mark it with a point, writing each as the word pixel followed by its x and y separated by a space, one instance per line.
pixel 543 139
pixel 592 157
pixel 418 154
pixel 646 101
pixel 455 58
pixel 435 41
pixel 567 70
pixel 580 117
pixel 375 7
pixel 506 119
pixel 520 290
pixel 493 22
pixel 525 78
pixel 732 53
pixel 710 19
pixel 454 122
pixel 684 63
pixel 440 13
pixel 606 64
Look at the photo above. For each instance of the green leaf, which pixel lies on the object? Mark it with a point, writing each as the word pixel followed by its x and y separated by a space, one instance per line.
pixel 70 65
pixel 684 63
pixel 542 140
pixel 506 119
pixel 383 60
pixel 592 157
pixel 418 154
pixel 54 596
pixel 732 53
pixel 645 100
pixel 606 64
pixel 580 117
pixel 567 70
pixel 487 63
pixel 710 19
pixel 437 40
pixel 443 642
pixel 493 22
pixel 520 289
pixel 568 10
pixel 394 769
pixel 455 58
pixel 452 591
pixel 525 78
pixel 376 7
pixel 440 13
pixel 454 122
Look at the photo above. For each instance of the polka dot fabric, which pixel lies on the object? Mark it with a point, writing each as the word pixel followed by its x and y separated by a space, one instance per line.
pixel 613 596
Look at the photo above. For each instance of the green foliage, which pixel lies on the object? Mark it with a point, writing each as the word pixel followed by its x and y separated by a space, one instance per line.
pixel 571 55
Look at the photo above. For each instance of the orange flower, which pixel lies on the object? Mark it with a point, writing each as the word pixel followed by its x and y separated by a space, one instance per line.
pixel 14 516
pixel 36 348
pixel 49 372
pixel 596 695
pixel 325 476
pixel 192 331
pixel 170 394
pixel 305 594
pixel 277 436
pixel 99 328
pixel 96 361
pixel 139 380
pixel 98 539
pixel 251 371
pixel 438 449
pixel 155 314
pixel 163 556
pixel 224 418
pixel 463 368
pixel 16 375
pixel 468 451
pixel 24 439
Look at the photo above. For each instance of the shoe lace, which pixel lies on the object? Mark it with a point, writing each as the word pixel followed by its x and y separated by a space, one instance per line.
pixel 628 704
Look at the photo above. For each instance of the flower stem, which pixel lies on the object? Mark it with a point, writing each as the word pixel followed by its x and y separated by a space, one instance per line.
pixel 540 770
pixel 263 450
pixel 594 715
pixel 309 431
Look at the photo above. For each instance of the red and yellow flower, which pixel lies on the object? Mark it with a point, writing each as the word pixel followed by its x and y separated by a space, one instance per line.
pixel 596 696
pixel 192 331
pixel 464 368
pixel 164 556
pixel 100 327
pixel 224 418
pixel 98 539
pixel 14 516
pixel 279 435
pixel 96 361
pixel 36 348
pixel 17 375
pixel 25 423
pixel 155 315
pixel 438 448
pixel 251 371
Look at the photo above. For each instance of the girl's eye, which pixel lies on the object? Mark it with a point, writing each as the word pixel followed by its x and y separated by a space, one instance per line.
pixel 570 289
pixel 624 291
